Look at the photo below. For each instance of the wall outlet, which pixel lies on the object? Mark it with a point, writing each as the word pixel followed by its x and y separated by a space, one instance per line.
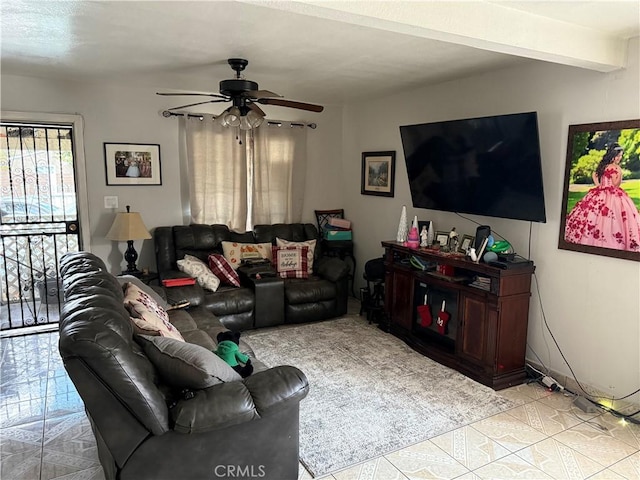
pixel 110 202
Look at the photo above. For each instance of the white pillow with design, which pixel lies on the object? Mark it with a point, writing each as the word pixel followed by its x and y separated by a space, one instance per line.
pixel 147 316
pixel 235 252
pixel 200 271
pixel 311 244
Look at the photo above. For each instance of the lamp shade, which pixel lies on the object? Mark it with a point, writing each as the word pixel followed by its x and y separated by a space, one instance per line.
pixel 128 226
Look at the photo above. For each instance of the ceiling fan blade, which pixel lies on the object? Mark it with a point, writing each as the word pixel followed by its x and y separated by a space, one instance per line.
pixel 256 109
pixel 261 94
pixel 193 94
pixel 198 103
pixel 291 104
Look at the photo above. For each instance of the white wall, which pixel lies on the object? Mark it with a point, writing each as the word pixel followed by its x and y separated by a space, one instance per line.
pixel 123 114
pixel 591 303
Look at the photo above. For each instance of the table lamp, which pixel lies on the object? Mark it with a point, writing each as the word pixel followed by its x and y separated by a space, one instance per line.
pixel 129 227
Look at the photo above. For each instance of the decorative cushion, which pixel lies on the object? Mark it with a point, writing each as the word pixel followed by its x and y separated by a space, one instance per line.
pixel 125 279
pixel 311 244
pixel 235 252
pixel 221 268
pixel 198 269
pixel 186 365
pixel 291 262
pixel 147 316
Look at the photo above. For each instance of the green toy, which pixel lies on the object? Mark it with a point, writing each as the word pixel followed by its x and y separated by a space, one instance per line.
pixel 229 350
pixel 500 247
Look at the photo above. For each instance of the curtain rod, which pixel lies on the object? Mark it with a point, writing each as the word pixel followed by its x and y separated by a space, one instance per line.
pixel 167 114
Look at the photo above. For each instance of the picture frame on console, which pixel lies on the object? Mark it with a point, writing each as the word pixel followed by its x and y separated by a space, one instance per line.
pixel 132 164
pixel 466 243
pixel 378 173
pixel 442 238
pixel 601 194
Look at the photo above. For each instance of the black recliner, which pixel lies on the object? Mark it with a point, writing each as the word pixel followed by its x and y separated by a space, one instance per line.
pixel 144 428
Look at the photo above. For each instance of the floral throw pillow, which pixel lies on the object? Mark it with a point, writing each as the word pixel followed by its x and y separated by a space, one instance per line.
pixel 291 262
pixel 221 268
pixel 311 244
pixel 199 270
pixel 235 252
pixel 147 316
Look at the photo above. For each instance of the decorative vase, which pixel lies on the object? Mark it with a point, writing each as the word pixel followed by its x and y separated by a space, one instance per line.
pixel 430 234
pixel 403 228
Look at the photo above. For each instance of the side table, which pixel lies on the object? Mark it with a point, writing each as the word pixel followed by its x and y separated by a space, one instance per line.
pixel 145 278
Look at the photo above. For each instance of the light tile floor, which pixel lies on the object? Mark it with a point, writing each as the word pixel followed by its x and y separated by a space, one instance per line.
pixel 44 433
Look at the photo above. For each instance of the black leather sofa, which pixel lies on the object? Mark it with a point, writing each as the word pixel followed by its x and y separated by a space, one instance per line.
pixel 322 296
pixel 146 429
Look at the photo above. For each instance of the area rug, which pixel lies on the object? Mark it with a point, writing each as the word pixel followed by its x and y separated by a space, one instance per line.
pixel 370 394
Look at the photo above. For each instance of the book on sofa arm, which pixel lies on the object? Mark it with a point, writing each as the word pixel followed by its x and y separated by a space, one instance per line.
pixel 178 282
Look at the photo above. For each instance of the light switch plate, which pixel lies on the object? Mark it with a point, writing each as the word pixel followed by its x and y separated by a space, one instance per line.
pixel 110 202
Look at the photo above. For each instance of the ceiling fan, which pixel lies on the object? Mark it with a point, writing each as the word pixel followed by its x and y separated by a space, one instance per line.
pixel 244 95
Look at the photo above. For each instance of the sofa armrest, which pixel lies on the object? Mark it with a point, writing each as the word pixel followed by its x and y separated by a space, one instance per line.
pixel 332 268
pixel 238 402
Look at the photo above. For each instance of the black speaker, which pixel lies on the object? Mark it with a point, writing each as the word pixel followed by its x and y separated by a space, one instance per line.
pixel 482 232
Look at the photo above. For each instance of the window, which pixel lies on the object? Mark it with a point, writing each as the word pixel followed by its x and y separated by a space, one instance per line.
pixel 240 184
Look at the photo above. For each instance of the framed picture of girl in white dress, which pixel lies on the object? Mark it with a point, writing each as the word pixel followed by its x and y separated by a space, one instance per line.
pixel 132 164
pixel 601 198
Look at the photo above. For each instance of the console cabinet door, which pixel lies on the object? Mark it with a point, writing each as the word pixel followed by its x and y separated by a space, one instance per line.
pixel 401 293
pixel 475 332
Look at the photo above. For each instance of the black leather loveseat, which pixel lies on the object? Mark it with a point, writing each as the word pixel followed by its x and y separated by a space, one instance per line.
pixel 322 296
pixel 146 427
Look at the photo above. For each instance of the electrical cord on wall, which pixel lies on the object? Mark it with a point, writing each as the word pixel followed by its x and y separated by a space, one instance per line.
pixel 493 232
pixel 479 224
pixel 587 395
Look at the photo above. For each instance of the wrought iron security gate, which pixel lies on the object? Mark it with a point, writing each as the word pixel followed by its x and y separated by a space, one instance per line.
pixel 38 220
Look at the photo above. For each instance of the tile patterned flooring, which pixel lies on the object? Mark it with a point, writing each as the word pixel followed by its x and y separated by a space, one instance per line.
pixel 44 433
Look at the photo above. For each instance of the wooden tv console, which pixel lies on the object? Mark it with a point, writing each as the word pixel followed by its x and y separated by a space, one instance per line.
pixel 486 334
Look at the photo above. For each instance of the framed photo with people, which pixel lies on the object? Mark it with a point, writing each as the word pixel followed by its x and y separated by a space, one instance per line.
pixel 132 164
pixel 601 198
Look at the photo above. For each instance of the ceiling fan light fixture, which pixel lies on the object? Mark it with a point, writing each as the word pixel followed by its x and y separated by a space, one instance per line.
pixel 231 117
pixel 254 119
pixel 244 123
pixel 244 114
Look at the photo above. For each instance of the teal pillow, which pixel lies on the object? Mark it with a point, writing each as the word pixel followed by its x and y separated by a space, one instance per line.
pixel 186 365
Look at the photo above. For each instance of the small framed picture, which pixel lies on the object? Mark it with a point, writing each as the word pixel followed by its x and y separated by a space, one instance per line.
pixel 466 243
pixel 378 173
pixel 442 238
pixel 132 164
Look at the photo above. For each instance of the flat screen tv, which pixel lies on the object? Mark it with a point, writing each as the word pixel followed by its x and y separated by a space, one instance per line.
pixel 486 166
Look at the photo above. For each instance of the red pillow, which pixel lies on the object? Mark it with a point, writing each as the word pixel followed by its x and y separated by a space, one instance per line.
pixel 223 270
pixel 291 262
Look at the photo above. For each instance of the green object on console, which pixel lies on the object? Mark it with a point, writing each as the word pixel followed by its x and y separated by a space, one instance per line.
pixel 500 247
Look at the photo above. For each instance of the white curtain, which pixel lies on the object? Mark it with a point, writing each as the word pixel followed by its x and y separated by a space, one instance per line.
pixel 217 174
pixel 279 171
pixel 258 181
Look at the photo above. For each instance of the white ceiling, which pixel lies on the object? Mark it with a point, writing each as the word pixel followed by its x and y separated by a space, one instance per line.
pixel 323 52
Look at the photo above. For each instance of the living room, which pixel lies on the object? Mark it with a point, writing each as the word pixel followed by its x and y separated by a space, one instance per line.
pixel 589 302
